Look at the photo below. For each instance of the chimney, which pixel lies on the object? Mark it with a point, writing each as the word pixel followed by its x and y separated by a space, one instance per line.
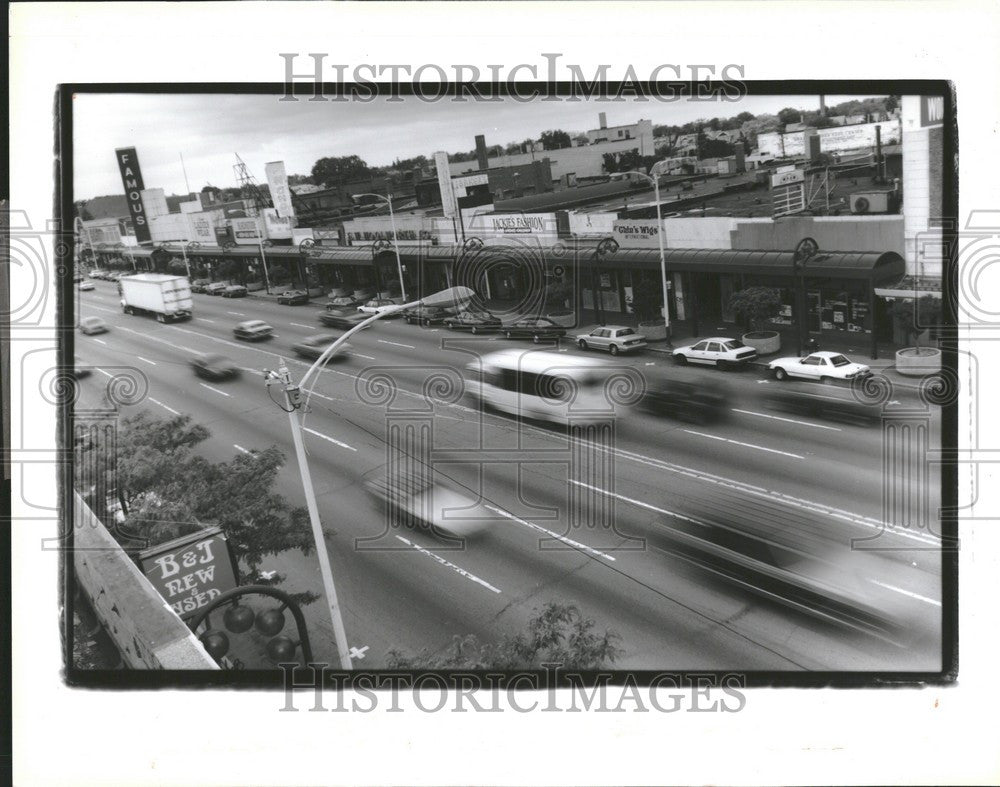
pixel 481 152
pixel 603 119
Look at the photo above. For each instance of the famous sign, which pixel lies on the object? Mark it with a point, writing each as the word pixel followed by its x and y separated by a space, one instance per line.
pixel 190 571
pixel 128 165
pixel 277 183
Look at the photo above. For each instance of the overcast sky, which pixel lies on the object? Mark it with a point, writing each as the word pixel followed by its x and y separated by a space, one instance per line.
pixel 209 130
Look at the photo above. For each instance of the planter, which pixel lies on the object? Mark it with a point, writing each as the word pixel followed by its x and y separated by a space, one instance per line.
pixel 918 361
pixel 563 317
pixel 254 286
pixel 315 292
pixel 764 342
pixel 653 330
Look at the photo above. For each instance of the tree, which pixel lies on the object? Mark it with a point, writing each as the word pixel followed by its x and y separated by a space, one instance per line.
pixel 339 169
pixel 559 634
pixel 789 115
pixel 756 305
pixel 915 317
pixel 743 117
pixel 555 139
pixel 714 148
pixel 647 301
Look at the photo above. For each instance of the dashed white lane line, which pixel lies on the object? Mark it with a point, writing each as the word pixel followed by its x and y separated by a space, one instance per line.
pixel 237 314
pixel 165 407
pixel 359 355
pixel 540 529
pixel 449 564
pixel 211 388
pixel 330 439
pixel 633 501
pixel 205 319
pixel 917 596
pixel 242 449
pixel 102 309
pixel 101 341
pixel 397 344
pixel 300 325
pixel 787 420
pixel 151 363
pixel 106 374
pixel 745 445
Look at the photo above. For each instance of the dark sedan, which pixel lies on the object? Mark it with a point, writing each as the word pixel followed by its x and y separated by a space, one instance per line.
pixel 473 321
pixel 426 315
pixel 536 329
pixel 199 285
pixel 253 330
pixel 313 347
pixel 701 402
pixel 293 297
pixel 213 366
pixel 343 303
pixel 235 291
pixel 341 320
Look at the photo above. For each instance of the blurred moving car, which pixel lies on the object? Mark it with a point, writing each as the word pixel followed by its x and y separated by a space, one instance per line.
pixel 215 288
pixel 342 303
pixel 701 402
pixel 534 328
pixel 344 320
pixel 717 351
pixel 473 321
pixel 426 315
pixel 79 372
pixel 293 297
pixel 822 365
pixel 91 325
pixel 97 273
pixel 86 286
pixel 235 291
pixel 835 402
pixel 424 499
pixel 313 347
pixel 199 285
pixel 378 305
pixel 213 366
pixel 613 338
pixel 253 330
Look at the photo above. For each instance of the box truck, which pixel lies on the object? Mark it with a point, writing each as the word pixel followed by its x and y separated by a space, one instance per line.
pixel 168 297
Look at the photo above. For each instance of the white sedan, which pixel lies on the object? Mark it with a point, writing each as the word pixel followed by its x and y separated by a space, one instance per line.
pixel 717 351
pixel 822 365
pixel 377 305
pixel 86 286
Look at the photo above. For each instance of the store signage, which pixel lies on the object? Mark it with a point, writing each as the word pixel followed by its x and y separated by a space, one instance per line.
pixel 245 231
pixel 202 227
pixel 779 179
pixel 278 227
pixel 128 165
pixel 444 183
pixel 190 571
pixel 636 234
pixel 931 111
pixel 281 195
pixel 517 225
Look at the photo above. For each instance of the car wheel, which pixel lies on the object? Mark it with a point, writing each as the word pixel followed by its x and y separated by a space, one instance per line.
pixel 160 318
pixel 681 359
pixel 582 344
pixel 535 339
pixel 722 365
pixel 780 374
pixel 613 349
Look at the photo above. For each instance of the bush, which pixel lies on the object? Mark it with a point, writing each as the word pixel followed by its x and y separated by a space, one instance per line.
pixel 914 317
pixel 756 305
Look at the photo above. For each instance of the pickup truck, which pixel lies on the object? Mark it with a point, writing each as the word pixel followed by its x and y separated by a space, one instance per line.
pixel 166 297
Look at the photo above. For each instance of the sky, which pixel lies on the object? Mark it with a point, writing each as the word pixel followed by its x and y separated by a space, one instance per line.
pixel 208 130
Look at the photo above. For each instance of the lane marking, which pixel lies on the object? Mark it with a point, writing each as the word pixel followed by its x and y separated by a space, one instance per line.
pixel 203 319
pixel 101 341
pixel 745 445
pixel 449 564
pixel 238 314
pixel 788 420
pixel 916 596
pixel 325 437
pixel 633 501
pixel 407 346
pixel 165 407
pixel 540 529
pixel 209 387
pixel 106 374
pixel 358 653
pixel 241 448
pixel 300 325
pixel 359 355
pixel 151 363
pixel 102 309
pixel 267 574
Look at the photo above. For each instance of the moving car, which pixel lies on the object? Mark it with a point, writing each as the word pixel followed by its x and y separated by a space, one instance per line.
pixel 79 372
pixel 424 499
pixel 613 338
pixel 293 297
pixel 822 365
pixel 97 273
pixel 314 346
pixel 835 402
pixel 473 321
pixel 701 402
pixel 342 303
pixel 199 285
pixel 341 319
pixel 253 330
pixel 235 291
pixel 213 366
pixel 91 325
pixel 377 305
pixel 534 328
pixel 215 288
pixel 426 315
pixel 717 351
pixel 87 286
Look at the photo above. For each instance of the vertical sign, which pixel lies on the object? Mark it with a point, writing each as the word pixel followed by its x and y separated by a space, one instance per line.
pixel 277 182
pixel 444 183
pixel 931 111
pixel 128 164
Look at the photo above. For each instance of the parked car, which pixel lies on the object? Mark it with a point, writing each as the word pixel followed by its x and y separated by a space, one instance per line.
pixel 253 330
pixel 199 285
pixel 213 366
pixel 535 328
pixel 97 273
pixel 426 501
pixel 426 315
pixel 717 351
pixel 215 288
pixel 378 305
pixel 473 321
pixel 87 286
pixel 342 320
pixel 91 325
pixel 313 346
pixel 235 291
pixel 823 365
pixel 114 276
pixel 343 303
pixel 701 402
pixel 613 338
pixel 293 297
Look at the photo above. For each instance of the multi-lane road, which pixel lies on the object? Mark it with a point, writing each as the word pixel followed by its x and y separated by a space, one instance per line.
pixel 410 591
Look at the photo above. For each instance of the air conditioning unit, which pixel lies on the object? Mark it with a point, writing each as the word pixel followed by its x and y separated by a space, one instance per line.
pixel 870 202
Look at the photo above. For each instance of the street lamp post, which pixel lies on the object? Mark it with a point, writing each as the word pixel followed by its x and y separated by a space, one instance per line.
pixel 395 240
pixel 129 252
pixel 293 403
pixel 261 241
pixel 184 247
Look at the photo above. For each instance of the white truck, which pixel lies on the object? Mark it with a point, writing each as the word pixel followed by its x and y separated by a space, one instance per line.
pixel 168 297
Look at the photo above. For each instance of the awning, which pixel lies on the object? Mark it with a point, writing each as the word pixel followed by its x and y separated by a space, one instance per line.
pixel 911 287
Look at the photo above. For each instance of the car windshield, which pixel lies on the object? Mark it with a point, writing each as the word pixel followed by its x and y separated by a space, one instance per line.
pixel 255 324
pixel 734 344
pixel 839 360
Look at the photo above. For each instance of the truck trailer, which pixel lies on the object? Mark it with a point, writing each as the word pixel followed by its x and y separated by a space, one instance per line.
pixel 167 297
